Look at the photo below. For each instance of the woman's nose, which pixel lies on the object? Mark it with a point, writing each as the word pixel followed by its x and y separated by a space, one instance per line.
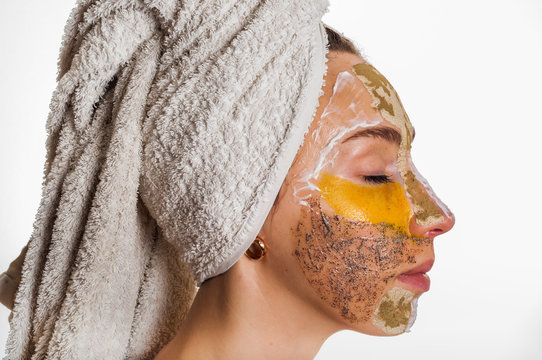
pixel 434 228
pixel 431 216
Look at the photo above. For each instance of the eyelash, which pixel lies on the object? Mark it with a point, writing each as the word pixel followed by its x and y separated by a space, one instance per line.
pixel 377 179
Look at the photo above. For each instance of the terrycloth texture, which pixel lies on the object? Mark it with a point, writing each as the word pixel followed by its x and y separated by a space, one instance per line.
pixel 171 130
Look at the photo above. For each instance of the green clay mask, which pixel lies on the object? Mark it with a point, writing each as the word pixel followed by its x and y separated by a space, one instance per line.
pixel 396 311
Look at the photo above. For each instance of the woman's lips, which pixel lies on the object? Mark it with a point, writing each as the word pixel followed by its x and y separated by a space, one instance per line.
pixel 420 281
pixel 417 277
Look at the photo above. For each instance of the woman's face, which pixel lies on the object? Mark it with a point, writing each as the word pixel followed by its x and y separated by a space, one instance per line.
pixel 352 232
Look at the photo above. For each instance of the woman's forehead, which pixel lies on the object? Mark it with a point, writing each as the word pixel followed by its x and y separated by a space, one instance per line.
pixel 357 96
pixel 385 98
pixel 348 107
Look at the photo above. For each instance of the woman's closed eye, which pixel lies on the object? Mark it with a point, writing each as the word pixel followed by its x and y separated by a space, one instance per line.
pixel 377 179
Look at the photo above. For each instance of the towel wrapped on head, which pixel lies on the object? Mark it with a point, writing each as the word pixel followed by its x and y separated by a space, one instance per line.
pixel 170 132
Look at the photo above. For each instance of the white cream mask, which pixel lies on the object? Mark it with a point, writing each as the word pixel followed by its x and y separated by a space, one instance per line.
pixel 346 114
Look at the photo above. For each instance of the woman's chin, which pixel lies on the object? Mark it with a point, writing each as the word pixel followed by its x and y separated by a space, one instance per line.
pixel 394 315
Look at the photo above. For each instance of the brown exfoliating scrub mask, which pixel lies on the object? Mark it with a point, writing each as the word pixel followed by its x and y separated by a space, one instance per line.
pixel 348 263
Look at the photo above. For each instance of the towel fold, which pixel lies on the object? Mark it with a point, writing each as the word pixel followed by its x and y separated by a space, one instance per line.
pixel 170 132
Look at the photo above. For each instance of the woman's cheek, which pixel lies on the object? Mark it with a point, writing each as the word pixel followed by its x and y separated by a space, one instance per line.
pixel 350 263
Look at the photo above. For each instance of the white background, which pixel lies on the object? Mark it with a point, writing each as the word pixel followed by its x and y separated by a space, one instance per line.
pixel 469 75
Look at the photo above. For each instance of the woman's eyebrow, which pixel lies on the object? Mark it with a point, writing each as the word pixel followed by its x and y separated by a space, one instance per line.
pixel 384 133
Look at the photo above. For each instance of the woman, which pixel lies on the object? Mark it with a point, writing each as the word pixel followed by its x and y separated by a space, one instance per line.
pixel 168 136
pixel 343 248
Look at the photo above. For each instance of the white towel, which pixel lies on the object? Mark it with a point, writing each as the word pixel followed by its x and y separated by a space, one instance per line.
pixel 170 132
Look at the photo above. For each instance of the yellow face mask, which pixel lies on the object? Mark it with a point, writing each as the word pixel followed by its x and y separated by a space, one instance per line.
pixel 384 203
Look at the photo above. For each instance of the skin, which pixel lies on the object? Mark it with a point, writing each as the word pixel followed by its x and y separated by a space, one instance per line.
pixel 334 253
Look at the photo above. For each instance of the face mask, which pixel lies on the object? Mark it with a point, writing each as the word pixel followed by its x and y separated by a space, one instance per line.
pixel 353 238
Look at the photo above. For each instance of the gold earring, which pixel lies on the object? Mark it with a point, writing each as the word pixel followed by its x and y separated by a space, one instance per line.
pixel 256 251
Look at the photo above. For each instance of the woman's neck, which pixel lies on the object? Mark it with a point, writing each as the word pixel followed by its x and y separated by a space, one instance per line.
pixel 238 315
